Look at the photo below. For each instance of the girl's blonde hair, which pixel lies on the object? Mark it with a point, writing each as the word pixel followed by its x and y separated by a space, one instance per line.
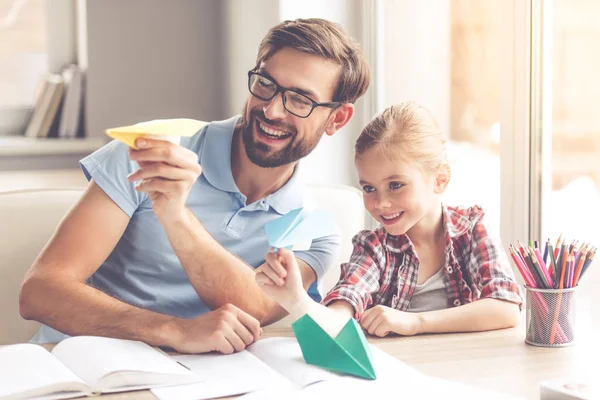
pixel 405 131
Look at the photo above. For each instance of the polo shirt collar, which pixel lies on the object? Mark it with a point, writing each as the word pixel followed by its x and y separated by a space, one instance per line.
pixel 215 160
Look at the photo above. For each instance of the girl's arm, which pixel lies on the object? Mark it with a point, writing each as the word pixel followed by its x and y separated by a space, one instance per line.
pixel 351 296
pixel 482 315
pixel 280 278
pixel 500 298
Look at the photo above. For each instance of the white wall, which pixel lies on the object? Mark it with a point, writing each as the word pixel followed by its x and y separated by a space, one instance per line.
pixel 242 37
pixel 333 159
pixel 152 59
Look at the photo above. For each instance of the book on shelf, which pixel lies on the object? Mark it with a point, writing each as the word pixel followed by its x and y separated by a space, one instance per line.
pixel 71 112
pixel 58 107
pixel 46 106
pixel 85 366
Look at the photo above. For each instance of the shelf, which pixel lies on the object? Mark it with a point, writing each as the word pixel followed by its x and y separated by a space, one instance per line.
pixel 22 146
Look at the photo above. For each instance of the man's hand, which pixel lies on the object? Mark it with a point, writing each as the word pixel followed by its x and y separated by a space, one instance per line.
pixel 226 330
pixel 167 171
pixel 281 279
pixel 381 320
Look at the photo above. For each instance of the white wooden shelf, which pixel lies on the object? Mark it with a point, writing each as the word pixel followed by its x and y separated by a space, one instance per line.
pixel 23 146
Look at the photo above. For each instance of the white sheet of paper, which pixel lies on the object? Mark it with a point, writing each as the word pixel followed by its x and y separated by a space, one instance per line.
pixel 245 373
pixel 278 393
pixel 285 356
pixel 221 375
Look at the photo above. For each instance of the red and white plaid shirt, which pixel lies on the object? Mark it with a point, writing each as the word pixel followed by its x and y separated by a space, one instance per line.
pixel 383 269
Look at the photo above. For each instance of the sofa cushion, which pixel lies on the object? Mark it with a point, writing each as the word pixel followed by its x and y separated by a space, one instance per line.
pixel 29 217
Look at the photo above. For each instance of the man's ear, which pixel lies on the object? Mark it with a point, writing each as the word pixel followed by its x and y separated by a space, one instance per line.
pixel 339 117
pixel 442 178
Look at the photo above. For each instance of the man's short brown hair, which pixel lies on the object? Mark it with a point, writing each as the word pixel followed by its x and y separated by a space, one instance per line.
pixel 326 39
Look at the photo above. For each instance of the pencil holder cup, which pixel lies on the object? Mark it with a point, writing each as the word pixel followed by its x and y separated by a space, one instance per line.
pixel 550 317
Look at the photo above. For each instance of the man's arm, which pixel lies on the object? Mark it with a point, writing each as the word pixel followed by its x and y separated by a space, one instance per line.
pixel 218 276
pixel 167 174
pixel 55 291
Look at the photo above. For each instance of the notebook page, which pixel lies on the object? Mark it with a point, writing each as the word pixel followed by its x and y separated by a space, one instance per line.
pixel 93 358
pixel 284 356
pixel 30 368
pixel 221 375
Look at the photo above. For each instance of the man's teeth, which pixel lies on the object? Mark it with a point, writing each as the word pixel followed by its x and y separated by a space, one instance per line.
pixel 392 216
pixel 271 131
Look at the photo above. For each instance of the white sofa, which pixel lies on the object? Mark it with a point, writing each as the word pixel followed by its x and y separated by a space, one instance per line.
pixel 28 218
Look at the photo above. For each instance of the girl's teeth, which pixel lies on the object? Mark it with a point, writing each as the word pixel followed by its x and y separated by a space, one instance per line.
pixel 391 216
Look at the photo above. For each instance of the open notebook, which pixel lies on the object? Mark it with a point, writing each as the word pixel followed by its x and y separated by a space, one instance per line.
pixel 85 365
pixel 274 368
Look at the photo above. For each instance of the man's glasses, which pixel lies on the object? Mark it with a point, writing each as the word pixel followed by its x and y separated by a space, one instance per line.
pixel 295 103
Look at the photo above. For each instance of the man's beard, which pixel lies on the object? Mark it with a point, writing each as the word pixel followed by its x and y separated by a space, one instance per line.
pixel 258 152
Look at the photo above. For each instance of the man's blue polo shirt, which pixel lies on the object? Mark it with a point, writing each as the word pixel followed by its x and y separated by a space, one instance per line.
pixel 143 269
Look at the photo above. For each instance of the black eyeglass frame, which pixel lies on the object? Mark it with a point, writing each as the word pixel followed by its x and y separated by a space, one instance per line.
pixel 279 88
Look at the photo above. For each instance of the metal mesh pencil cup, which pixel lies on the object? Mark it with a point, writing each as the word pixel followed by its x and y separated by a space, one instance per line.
pixel 550 317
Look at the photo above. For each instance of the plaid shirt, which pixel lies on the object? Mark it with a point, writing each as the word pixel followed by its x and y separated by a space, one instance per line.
pixel 383 269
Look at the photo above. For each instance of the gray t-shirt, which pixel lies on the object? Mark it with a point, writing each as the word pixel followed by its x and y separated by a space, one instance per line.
pixel 430 295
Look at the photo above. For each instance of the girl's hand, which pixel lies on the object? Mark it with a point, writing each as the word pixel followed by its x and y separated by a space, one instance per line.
pixel 281 280
pixel 381 320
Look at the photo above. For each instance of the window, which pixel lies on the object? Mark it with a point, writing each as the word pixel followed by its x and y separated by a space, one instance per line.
pixel 568 150
pixel 447 58
pixel 23 59
pixel 36 36
pixel 574 170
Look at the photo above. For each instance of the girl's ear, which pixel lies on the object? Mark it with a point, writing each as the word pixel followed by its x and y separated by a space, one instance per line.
pixel 442 178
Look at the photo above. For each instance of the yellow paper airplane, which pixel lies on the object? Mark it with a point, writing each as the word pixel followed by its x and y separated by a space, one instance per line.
pixel 164 129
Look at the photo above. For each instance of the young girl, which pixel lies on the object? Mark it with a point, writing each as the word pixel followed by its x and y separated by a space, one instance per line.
pixel 429 267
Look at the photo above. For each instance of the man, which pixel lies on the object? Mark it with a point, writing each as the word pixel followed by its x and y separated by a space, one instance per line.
pixel 149 261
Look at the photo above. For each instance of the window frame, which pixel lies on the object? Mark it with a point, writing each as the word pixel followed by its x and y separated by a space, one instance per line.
pixel 62 50
pixel 519 197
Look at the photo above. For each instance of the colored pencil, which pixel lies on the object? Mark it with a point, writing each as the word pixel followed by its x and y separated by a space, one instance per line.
pixel 582 257
pixel 552 265
pixel 588 262
pixel 557 247
pixel 560 267
pixel 537 273
pixel 527 277
pixel 543 267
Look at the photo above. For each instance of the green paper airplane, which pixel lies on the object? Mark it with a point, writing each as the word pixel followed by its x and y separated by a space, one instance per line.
pixel 348 353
